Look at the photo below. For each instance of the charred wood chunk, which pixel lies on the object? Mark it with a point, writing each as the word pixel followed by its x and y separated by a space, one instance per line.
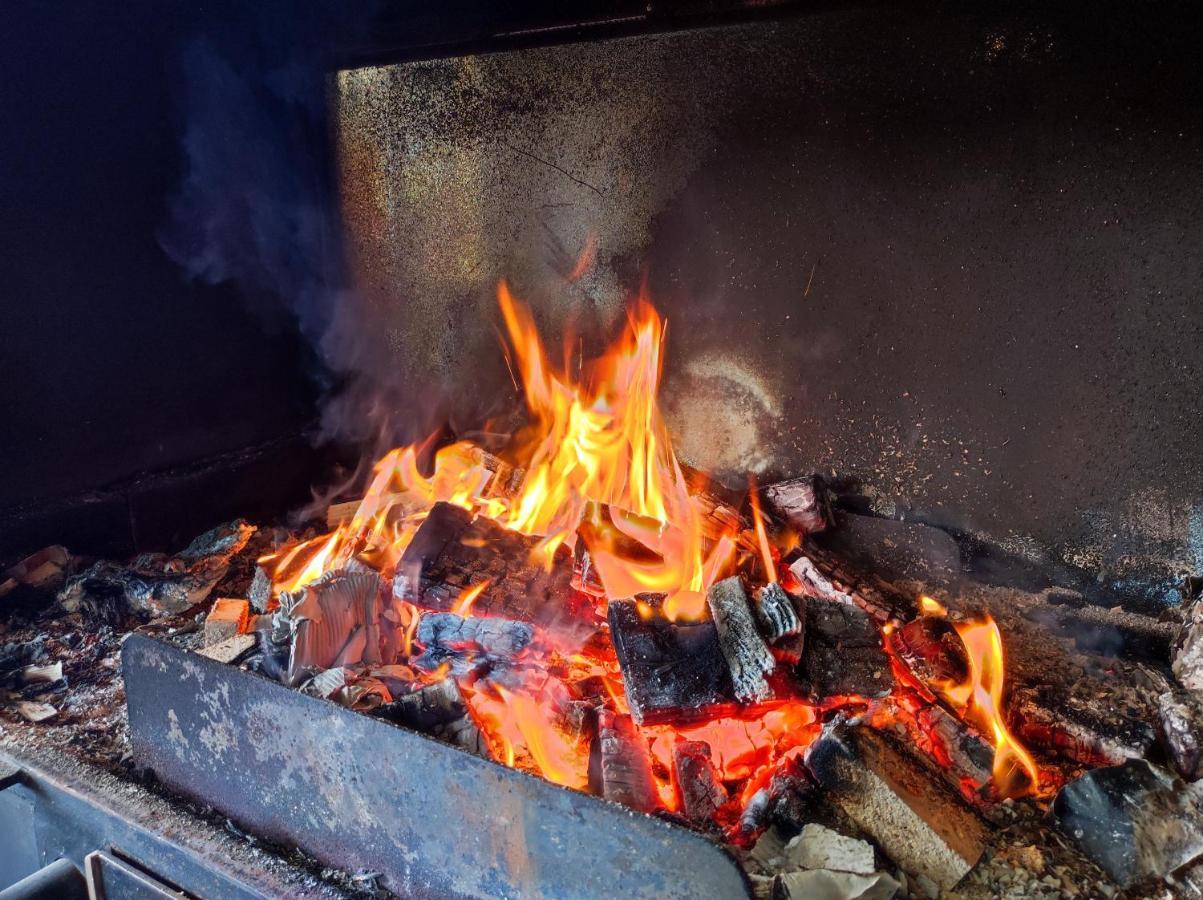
pixel 802 502
pixel 748 658
pixel 784 802
pixel 470 644
pixel 1087 726
pixel 932 650
pixel 671 672
pixel 814 583
pixel 451 551
pixel 626 769
pixel 437 709
pixel 1187 659
pixel 921 825
pixel 260 592
pixel 843 655
pixel 1135 820
pixel 962 753
pixel 698 787
pixel 775 613
pixel 1181 714
pixel 334 621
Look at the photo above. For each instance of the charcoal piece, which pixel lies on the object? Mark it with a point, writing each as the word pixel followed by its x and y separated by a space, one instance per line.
pixel 748 658
pixel 1187 658
pixel 1083 727
pixel 671 672
pixel 964 757
pixel 1137 821
pixel 437 709
pixel 932 650
pixel 783 803
pixel 332 621
pixel 843 655
pixel 452 551
pixel 495 637
pixel 699 791
pixel 921 825
pixel 813 583
pixel 626 769
pixel 775 613
pixel 1181 714
pixel 224 540
pixel 803 503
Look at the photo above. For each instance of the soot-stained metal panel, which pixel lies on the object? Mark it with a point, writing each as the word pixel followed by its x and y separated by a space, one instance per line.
pixel 359 793
pixel 955 256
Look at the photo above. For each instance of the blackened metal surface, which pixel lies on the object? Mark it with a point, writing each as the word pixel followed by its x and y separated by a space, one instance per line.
pixel 947 251
pixel 357 792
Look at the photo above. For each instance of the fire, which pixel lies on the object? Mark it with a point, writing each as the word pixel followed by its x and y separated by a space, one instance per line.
pixel 762 539
pixel 979 699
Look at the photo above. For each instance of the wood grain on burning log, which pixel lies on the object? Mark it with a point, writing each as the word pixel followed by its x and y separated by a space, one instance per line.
pixel 452 551
pixel 470 644
pixel 920 824
pixel 626 769
pixel 699 791
pixel 775 613
pixel 748 657
pixel 931 649
pixel 803 503
pixel 671 672
pixel 843 654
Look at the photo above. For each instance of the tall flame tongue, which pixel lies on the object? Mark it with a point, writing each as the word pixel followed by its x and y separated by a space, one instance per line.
pixel 600 446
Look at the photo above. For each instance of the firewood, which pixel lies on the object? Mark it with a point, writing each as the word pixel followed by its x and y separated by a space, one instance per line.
pixel 259 594
pixel 775 613
pixel 748 658
pixel 1111 632
pixel 803 503
pixel 452 551
pixel 843 655
pixel 671 672
pixel 469 644
pixel 437 709
pixel 1181 714
pixel 1187 658
pixel 1085 726
pixel 931 649
pixel 227 618
pixel 920 824
pixel 699 791
pixel 626 770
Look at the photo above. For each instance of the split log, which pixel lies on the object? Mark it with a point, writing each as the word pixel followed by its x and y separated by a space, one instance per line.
pixel 626 769
pixel 921 825
pixel 803 503
pixel 748 658
pixel 470 644
pixel 671 672
pixel 699 791
pixel 227 618
pixel 843 655
pixel 437 709
pixel 1084 727
pixel 775 613
pixel 452 551
pixel 1135 820
pixel 1181 714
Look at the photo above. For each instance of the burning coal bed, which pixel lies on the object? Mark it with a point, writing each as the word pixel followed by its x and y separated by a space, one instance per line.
pixel 576 604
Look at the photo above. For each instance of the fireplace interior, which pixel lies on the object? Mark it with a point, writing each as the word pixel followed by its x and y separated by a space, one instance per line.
pixel 690 449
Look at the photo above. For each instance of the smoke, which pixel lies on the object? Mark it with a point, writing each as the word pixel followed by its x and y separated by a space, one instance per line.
pixel 256 207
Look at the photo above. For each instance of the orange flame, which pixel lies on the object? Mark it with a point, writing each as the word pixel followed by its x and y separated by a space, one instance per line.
pixel 762 539
pixel 463 605
pixel 980 701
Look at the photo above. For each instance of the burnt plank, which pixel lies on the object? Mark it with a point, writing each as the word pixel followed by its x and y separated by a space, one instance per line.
pixel 699 791
pixel 843 655
pixel 626 768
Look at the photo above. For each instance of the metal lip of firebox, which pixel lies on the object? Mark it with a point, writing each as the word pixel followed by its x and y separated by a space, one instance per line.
pixel 363 794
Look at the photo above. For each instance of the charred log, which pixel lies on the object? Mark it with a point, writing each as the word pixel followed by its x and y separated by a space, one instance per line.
pixel 437 709
pixel 785 802
pixel 843 655
pixel 1110 632
pixel 931 649
pixel 626 770
pixel 748 659
pixel 1085 728
pixel 699 791
pixel 671 672
pixel 923 827
pixel 775 613
pixel 1187 661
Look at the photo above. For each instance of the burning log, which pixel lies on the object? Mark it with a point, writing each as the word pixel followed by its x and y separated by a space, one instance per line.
pixel 471 643
pixel 814 583
pixel 932 650
pixel 843 655
pixel 804 503
pixel 452 551
pixel 699 791
pixel 671 671
pixel 1086 728
pixel 922 826
pixel 748 659
pixel 1181 714
pixel 437 709
pixel 775 613
pixel 783 802
pixel 964 756
pixel 1135 820
pixel 626 769
pixel 335 621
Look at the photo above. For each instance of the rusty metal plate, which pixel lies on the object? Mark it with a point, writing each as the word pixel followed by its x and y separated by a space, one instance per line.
pixel 360 793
